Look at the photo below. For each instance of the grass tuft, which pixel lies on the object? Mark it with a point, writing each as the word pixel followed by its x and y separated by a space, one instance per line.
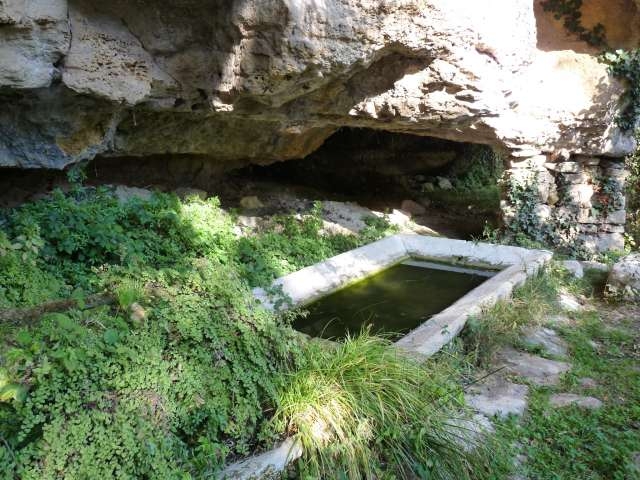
pixel 128 292
pixel 367 410
pixel 530 306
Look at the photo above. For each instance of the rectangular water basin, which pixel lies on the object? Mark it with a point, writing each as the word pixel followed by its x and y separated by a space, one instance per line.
pixel 392 302
pixel 435 326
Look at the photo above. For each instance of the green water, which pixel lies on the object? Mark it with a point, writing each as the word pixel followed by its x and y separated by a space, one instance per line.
pixel 391 302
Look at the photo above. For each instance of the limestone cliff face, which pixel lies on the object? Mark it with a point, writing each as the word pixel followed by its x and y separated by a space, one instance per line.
pixel 264 80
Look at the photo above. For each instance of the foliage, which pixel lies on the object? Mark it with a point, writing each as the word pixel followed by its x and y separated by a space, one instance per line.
pixel 93 394
pixel 569 11
pixel 523 226
pixel 89 239
pixel 569 442
pixel 89 230
pixel 625 64
pixel 366 410
pixel 167 398
pixel 502 324
pixel 578 443
pixel 290 244
pixel 483 168
pixel 476 185
pixel 633 197
pixel 531 224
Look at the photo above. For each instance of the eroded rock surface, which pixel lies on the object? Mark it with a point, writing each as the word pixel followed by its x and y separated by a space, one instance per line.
pixel 254 81
pixel 624 279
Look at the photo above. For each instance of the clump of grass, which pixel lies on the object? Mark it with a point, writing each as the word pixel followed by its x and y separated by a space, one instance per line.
pixel 531 305
pixel 129 292
pixel 367 410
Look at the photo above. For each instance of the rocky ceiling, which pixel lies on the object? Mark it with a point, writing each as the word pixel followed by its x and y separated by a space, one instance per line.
pixel 257 81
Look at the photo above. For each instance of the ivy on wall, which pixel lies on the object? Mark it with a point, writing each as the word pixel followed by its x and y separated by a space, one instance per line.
pixel 626 64
pixel 633 197
pixel 569 11
pixel 623 64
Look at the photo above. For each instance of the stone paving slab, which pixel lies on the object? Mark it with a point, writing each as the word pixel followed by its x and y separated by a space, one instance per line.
pixel 539 371
pixel 469 432
pixel 546 338
pixel 570 399
pixel 498 396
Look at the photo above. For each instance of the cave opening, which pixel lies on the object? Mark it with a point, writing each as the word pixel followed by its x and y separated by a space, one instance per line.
pixel 451 187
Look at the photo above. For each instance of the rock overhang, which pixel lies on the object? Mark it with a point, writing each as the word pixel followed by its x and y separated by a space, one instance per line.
pixel 258 82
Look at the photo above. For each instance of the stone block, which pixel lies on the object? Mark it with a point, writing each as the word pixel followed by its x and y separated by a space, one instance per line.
pixel 531 163
pixel 618 217
pixel 574 267
pixel 546 185
pixel 587 160
pixel 612 228
pixel 563 167
pixel 412 207
pixel 542 212
pixel 588 265
pixel 587 215
pixel 444 183
pixel 580 194
pixel 575 178
pixel 561 155
pixel 588 228
pixel 605 242
pixel 569 302
pixel 124 193
pixel 618 175
pixel 625 277
pixel 525 152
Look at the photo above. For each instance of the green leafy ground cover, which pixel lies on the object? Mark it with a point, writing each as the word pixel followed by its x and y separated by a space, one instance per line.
pixel 93 393
pixel 182 373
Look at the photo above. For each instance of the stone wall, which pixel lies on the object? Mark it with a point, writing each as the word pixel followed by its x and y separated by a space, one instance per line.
pixel 575 202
